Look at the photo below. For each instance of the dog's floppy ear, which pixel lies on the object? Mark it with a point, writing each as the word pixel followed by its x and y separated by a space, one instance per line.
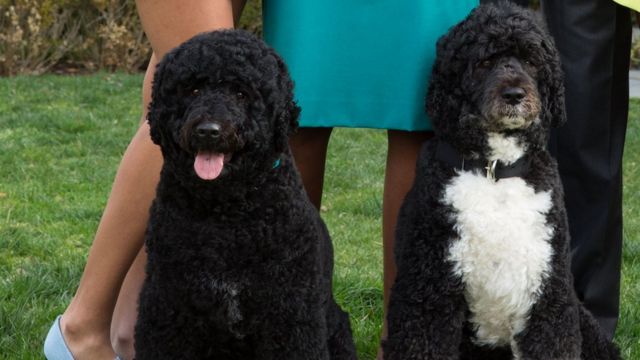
pixel 444 96
pixel 157 108
pixel 285 125
pixel 440 104
pixel 551 84
pixel 287 112
pixel 154 113
pixel 162 109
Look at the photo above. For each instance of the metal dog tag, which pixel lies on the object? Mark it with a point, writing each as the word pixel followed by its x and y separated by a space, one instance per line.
pixel 491 169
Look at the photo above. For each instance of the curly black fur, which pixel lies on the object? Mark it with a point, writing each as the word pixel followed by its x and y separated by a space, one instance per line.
pixel 497 72
pixel 455 91
pixel 239 264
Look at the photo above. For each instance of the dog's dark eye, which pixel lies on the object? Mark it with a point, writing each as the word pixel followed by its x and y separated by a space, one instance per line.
pixel 240 95
pixel 195 92
pixel 485 64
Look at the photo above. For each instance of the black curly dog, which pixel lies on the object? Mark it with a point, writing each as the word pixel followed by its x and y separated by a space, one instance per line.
pixel 482 244
pixel 239 261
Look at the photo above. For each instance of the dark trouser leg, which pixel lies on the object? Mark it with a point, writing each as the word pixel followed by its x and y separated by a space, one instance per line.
pixel 593 37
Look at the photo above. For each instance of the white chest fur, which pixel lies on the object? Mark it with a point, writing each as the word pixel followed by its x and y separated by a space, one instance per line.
pixel 502 252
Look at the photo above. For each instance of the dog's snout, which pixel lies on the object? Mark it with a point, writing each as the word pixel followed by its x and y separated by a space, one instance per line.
pixel 513 95
pixel 208 130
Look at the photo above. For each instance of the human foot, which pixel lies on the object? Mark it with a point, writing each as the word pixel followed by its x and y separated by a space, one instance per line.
pixel 81 342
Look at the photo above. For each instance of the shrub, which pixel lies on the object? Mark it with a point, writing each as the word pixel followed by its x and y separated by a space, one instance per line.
pixel 251 19
pixel 635 53
pixel 119 42
pixel 37 36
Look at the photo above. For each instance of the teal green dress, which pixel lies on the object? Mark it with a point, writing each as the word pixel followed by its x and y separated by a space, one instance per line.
pixel 361 63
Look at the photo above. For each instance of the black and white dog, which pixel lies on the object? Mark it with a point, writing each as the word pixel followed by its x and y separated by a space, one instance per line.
pixel 482 244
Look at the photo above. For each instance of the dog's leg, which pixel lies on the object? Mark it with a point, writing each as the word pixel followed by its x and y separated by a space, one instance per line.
pixel 341 345
pixel 426 322
pixel 427 306
pixel 157 329
pixel 471 351
pixel 287 336
pixel 553 329
pixel 340 338
pixel 595 345
pixel 292 324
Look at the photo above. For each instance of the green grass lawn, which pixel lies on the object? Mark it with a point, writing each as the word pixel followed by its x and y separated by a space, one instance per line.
pixel 61 139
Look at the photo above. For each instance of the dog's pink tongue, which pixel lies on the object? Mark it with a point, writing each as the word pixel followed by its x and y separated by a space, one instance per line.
pixel 208 165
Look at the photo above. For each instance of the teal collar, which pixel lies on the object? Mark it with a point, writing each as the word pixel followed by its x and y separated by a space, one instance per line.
pixel 276 164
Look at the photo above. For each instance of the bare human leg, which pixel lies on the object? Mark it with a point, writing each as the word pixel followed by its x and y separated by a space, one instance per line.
pixel 86 322
pixel 402 153
pixel 309 148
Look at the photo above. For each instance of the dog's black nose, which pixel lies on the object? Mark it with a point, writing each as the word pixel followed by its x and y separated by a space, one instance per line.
pixel 513 95
pixel 208 130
